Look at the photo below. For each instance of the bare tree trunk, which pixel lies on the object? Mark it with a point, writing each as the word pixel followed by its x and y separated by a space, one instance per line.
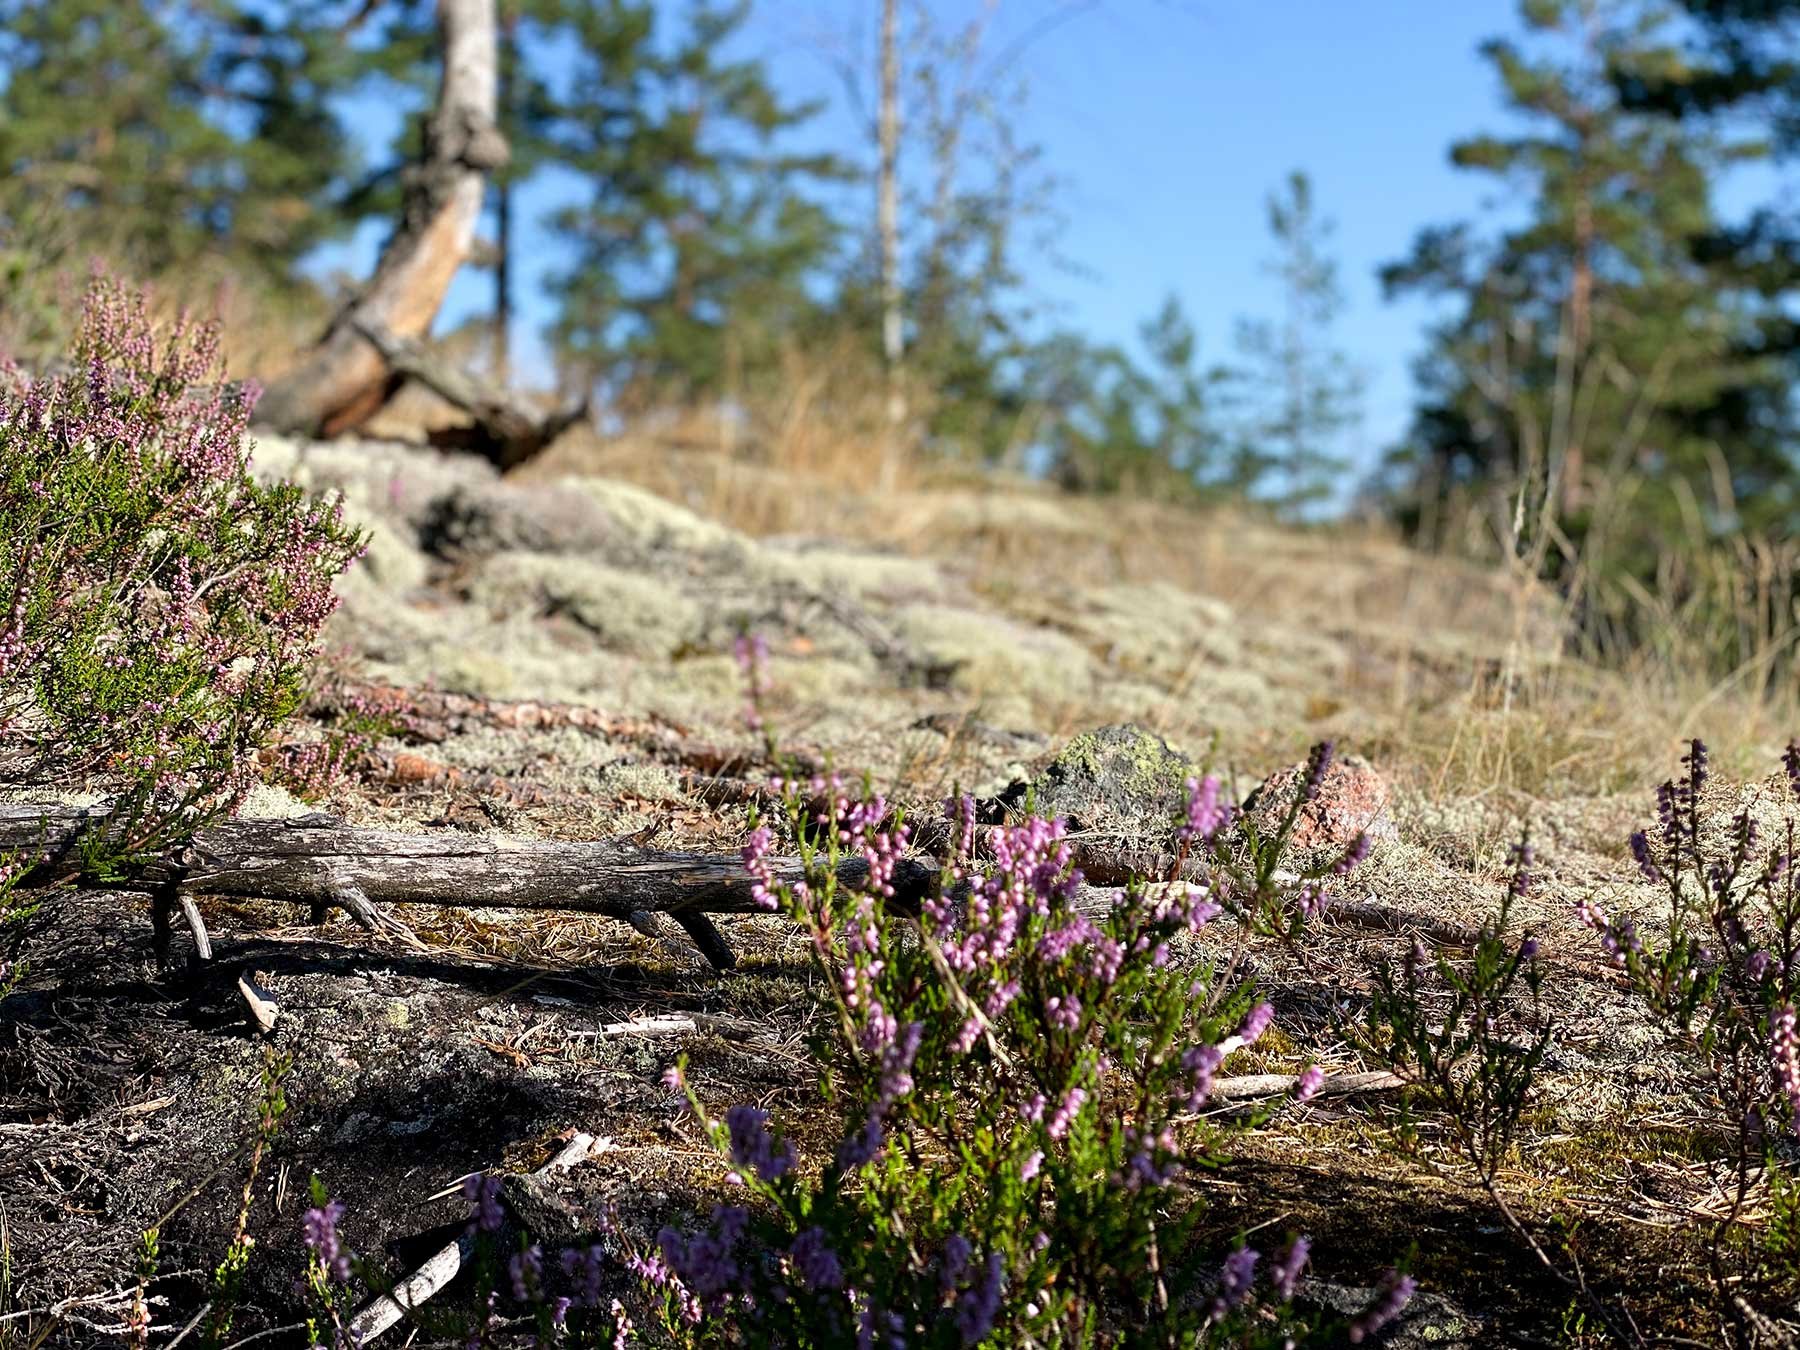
pixel 503 204
pixel 887 208
pixel 345 378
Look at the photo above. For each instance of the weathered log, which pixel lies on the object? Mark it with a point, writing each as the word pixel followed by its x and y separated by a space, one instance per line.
pixel 317 860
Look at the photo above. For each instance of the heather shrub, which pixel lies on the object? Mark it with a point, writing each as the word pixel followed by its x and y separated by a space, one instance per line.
pixel 159 608
pixel 1019 1078
pixel 1024 1075
pixel 1721 969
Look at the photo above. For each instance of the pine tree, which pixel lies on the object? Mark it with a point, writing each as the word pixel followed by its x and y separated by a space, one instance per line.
pixel 1587 381
pixel 1109 423
pixel 158 136
pixel 1290 447
pixel 699 238
pixel 1744 68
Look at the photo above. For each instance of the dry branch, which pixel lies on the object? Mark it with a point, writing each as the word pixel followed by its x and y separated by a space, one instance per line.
pixel 507 431
pixel 320 862
pixel 388 1310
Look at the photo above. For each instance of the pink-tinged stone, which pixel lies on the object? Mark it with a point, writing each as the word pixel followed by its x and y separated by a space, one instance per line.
pixel 1353 800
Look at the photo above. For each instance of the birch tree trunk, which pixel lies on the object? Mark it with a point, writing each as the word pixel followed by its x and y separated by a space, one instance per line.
pixel 887 210
pixel 345 379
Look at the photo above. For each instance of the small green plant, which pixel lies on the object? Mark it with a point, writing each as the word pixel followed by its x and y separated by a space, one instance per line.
pixel 1456 1032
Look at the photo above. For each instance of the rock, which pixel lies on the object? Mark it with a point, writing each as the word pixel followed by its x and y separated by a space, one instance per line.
pixel 490 518
pixel 1123 780
pixel 1352 800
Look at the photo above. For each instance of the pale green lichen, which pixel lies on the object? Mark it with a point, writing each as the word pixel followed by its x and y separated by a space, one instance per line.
pixel 627 611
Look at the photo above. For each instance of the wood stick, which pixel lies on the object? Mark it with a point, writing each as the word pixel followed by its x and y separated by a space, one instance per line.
pixel 386 1310
pixel 196 925
pixel 1253 1085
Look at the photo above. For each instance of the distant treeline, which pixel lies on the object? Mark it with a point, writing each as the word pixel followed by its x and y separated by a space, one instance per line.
pixel 1613 367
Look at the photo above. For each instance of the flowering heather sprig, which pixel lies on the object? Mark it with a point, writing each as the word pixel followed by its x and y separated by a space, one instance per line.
pixel 706 1263
pixel 1696 761
pixel 1312 1078
pixel 761 871
pixel 483 1194
pixel 1205 815
pixel 321 1236
pixel 752 653
pixel 1784 1051
pixel 980 1303
pixel 158 607
pixel 1318 764
pixel 753 1147
pixel 1391 1297
pixel 1237 1277
pixel 526 1271
pixel 1285 1274
pixel 814 1261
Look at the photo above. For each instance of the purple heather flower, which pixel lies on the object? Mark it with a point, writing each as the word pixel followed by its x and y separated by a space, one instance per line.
pixel 320 1227
pixel 753 1147
pixel 1205 815
pixel 1202 1061
pixel 1784 1052
pixel 1318 764
pixel 980 1303
pixel 1236 1277
pixel 1255 1022
pixel 1284 1275
pixel 527 1272
pixel 955 1261
pixel 1066 1111
pixel 861 1147
pixel 1311 1080
pixel 1695 759
pixel 816 1263
pixel 1031 1166
pixel 706 1262
pixel 1756 965
pixel 1354 856
pixel 1528 949
pixel 585 1269
pixel 483 1194
pixel 1391 1297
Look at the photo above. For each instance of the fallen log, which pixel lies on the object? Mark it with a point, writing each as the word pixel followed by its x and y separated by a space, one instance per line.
pixel 318 861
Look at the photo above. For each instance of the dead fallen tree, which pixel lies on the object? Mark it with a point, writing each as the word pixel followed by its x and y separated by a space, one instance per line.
pixel 320 862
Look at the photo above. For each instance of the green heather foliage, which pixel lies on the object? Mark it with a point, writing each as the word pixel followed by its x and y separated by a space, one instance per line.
pixel 161 609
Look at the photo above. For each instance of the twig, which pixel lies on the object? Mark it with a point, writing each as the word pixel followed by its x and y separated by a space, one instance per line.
pixel 388 1310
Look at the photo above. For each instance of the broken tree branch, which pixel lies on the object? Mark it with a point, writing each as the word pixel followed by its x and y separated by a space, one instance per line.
pixel 387 1310
pixel 507 431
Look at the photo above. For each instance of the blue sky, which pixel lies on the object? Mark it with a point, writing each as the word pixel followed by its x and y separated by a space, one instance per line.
pixel 1168 122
